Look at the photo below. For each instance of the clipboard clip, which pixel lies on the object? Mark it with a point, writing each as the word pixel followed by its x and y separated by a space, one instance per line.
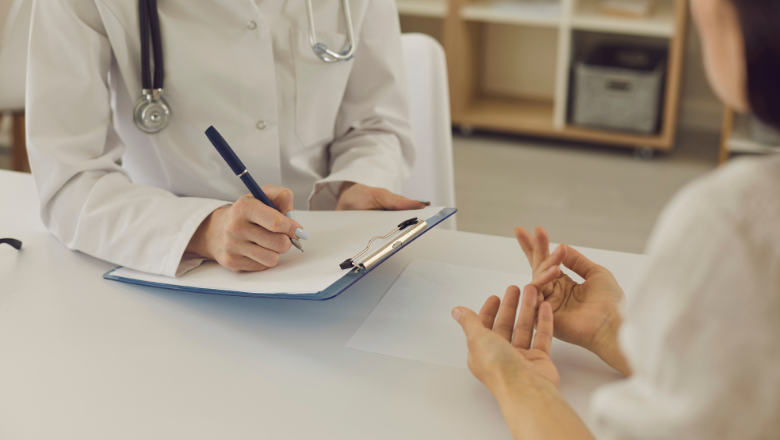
pixel 410 229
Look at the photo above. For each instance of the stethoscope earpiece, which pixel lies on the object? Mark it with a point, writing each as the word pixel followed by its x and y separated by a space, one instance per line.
pixel 321 49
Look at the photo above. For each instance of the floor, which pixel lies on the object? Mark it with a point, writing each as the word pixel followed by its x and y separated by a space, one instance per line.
pixel 584 195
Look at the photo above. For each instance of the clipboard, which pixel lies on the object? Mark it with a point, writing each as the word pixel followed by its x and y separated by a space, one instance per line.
pixel 360 267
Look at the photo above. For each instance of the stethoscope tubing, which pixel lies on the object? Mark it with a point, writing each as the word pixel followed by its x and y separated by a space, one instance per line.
pixel 321 49
pixel 150 23
pixel 151 112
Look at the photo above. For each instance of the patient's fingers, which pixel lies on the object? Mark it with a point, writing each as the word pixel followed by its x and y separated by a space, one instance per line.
pixel 489 311
pixel 541 247
pixel 542 279
pixel 524 331
pixel 581 265
pixel 526 241
pixel 554 260
pixel 505 320
pixel 544 329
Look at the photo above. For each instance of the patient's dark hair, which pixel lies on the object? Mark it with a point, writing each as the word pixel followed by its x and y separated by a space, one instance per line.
pixel 760 20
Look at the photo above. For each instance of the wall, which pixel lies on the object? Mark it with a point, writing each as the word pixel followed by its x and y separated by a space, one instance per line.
pixel 5 6
pixel 700 109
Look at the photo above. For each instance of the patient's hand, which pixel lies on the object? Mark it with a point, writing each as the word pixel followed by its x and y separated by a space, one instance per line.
pixel 586 314
pixel 500 352
pixel 520 374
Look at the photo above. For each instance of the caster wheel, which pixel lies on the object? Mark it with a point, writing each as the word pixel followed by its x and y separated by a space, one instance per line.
pixel 644 153
pixel 466 130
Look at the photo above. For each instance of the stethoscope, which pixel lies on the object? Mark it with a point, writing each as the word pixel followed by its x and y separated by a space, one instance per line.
pixel 151 113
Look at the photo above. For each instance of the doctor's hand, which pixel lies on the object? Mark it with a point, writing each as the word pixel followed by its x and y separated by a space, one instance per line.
pixel 247 235
pixel 355 196
pixel 586 314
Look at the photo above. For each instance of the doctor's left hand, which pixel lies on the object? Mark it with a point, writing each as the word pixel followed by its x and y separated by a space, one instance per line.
pixel 358 197
pixel 247 235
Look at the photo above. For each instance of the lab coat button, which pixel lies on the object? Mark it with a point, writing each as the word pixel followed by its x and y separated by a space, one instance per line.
pixel 261 125
pixel 251 25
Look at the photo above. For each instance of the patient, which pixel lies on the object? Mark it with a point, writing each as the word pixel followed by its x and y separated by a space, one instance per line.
pixel 700 340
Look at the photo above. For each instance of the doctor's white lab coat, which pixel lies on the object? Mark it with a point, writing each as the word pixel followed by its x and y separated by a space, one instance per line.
pixel 245 67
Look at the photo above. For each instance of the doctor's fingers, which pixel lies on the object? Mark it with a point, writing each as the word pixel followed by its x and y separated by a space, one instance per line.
pixel 262 255
pixel 256 212
pixel 394 202
pixel 242 263
pixel 282 197
pixel 279 243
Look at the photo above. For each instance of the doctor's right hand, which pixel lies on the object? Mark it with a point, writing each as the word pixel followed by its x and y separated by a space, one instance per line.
pixel 247 235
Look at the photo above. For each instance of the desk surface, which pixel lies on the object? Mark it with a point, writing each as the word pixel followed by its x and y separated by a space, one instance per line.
pixel 83 357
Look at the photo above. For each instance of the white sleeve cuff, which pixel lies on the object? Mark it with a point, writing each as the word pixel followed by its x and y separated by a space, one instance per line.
pixel 179 263
pixel 326 191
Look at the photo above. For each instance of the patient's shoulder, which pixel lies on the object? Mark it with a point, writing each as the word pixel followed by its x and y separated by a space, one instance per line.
pixel 742 198
pixel 746 190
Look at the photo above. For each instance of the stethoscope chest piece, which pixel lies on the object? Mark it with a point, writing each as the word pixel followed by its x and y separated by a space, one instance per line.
pixel 151 113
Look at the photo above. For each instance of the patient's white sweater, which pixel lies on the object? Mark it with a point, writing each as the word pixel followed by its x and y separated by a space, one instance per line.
pixel 702 333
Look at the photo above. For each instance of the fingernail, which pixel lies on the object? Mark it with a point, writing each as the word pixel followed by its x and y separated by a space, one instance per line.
pixel 456 314
pixel 291 215
pixel 424 201
pixel 300 233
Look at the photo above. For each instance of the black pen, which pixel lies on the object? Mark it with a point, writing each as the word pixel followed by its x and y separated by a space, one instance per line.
pixel 238 167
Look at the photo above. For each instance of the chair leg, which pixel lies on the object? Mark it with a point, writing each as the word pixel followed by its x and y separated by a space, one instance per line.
pixel 19 146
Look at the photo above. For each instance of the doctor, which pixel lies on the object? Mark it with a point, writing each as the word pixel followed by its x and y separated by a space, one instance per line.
pixel 325 130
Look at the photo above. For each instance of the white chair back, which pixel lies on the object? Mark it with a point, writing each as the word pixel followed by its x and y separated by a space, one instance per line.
pixel 433 175
pixel 13 55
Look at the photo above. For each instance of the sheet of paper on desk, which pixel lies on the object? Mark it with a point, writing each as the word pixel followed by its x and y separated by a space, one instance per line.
pixel 335 236
pixel 413 319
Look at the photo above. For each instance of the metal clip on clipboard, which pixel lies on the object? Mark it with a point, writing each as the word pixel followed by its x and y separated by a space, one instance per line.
pixel 411 228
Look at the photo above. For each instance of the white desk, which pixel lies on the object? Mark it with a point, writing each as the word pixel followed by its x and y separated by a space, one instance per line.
pixel 86 358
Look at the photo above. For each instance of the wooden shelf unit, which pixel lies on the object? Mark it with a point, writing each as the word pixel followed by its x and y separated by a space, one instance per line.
pixel 507 13
pixel 463 25
pixel 660 23
pixel 423 8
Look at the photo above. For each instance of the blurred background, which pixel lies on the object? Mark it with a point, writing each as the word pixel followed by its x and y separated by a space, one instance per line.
pixel 583 116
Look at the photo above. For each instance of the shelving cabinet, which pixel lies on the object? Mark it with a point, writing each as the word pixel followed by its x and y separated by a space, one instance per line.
pixel 510 62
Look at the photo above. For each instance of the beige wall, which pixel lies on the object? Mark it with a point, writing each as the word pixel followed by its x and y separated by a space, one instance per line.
pixel 700 109
pixel 5 6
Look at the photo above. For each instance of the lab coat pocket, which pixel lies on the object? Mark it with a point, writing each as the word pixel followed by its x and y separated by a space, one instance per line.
pixel 319 87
